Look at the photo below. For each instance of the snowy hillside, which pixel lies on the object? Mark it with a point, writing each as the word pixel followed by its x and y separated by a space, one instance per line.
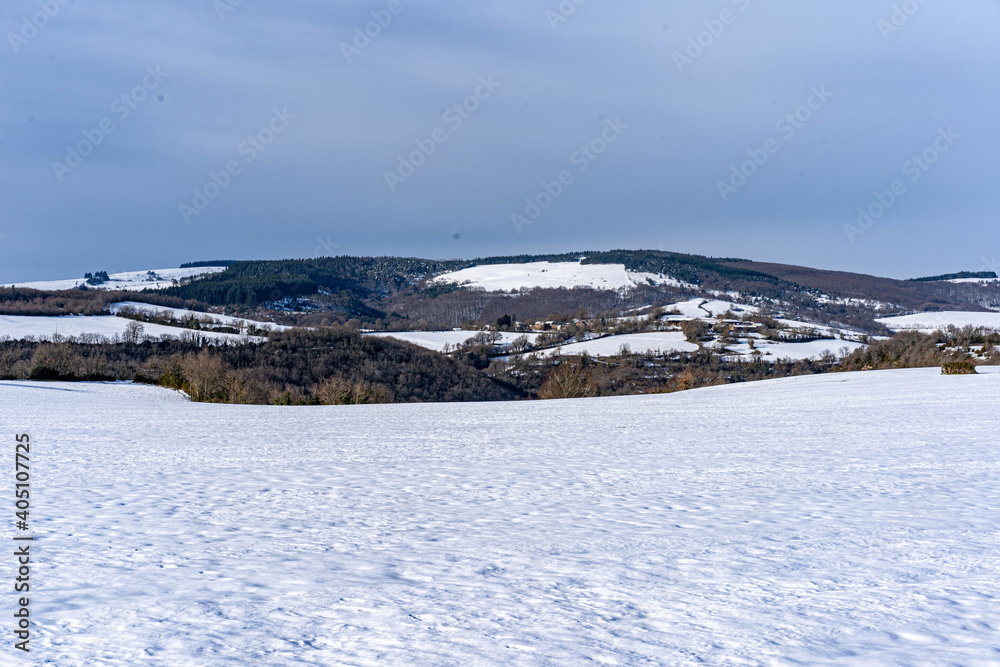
pixel 26 326
pixel 709 309
pixel 506 277
pixel 21 327
pixel 659 341
pixel 130 281
pixel 182 313
pixel 438 340
pixel 935 321
pixel 845 519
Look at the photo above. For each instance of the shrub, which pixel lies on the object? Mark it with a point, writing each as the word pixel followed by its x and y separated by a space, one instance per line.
pixel 340 391
pixel 569 380
pixel 958 368
pixel 694 330
pixel 205 375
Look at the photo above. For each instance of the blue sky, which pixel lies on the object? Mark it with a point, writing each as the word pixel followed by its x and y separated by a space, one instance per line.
pixel 644 109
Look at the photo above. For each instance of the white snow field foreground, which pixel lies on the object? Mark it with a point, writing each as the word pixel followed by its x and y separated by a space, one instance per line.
pixel 847 519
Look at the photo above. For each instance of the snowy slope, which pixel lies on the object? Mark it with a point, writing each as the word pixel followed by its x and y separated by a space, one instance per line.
pixel 674 341
pixel 694 309
pixel 935 321
pixel 658 341
pixel 23 326
pixel 845 519
pixel 181 313
pixel 436 340
pixel 129 281
pixel 813 349
pixel 981 281
pixel 506 277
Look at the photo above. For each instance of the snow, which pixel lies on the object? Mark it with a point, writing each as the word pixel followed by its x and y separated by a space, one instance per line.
pixel 508 277
pixel 436 340
pixel 659 341
pixel 181 313
pixel 935 321
pixel 845 519
pixel 981 281
pixel 694 309
pixel 129 281
pixel 813 349
pixel 22 326
pixel 674 341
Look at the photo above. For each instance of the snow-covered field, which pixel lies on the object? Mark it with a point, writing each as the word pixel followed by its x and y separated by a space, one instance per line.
pixel 813 349
pixel 24 326
pixel 181 313
pixel 846 519
pixel 709 309
pixel 981 281
pixel 934 321
pixel 129 281
pixel 658 341
pixel 436 340
pixel 507 277
pixel 674 341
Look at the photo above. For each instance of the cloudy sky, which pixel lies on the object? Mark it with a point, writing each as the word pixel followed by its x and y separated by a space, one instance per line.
pixel 139 135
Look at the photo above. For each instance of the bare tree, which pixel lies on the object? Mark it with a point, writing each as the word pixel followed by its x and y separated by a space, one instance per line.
pixel 133 332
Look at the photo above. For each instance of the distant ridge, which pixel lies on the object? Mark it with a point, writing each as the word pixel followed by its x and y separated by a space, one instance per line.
pixel 198 265
pixel 957 276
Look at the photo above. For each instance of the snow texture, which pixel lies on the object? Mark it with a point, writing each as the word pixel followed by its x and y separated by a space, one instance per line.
pixel 181 313
pixel 846 519
pixel 936 321
pixel 24 326
pixel 128 281
pixel 659 341
pixel 436 340
pixel 695 309
pixel 813 349
pixel 508 277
